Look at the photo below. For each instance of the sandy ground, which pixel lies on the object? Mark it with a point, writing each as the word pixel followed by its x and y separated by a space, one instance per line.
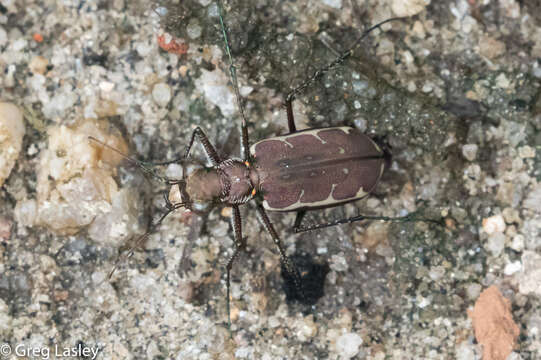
pixel 453 88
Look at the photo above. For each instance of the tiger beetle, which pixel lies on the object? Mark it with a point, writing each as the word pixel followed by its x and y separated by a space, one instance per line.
pixel 303 170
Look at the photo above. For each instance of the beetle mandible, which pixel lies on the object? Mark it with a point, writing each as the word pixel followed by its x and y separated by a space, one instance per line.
pixel 302 170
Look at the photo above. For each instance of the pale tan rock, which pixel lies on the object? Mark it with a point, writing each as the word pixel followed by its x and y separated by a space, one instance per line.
pixel 76 186
pixel 11 137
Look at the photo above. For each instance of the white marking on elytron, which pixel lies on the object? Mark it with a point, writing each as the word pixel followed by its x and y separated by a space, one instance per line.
pixel 345 171
pixel 341 150
pixel 361 193
pixel 313 132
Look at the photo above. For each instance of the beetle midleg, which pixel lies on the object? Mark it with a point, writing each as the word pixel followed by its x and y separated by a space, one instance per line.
pixel 211 152
pixel 240 244
pixel 288 264
pixel 407 218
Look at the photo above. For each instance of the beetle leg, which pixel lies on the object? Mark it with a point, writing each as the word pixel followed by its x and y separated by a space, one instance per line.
pixel 142 238
pixel 298 220
pixel 410 217
pixel 333 64
pixel 288 264
pixel 211 152
pixel 240 244
pixel 290 118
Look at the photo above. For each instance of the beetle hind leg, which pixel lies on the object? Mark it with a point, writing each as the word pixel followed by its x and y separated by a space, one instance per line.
pixel 413 216
pixel 290 117
pixel 288 265
pixel 240 244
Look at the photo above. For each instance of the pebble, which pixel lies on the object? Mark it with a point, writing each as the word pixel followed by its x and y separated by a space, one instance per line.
pixel 494 224
pixel 473 290
pixel 502 81
pixel 337 4
pixel 3 37
pixel 347 345
pixel 11 137
pixel 338 263
pixel 5 228
pixel 495 243
pixel 526 152
pixel 465 351
pixel 38 65
pixel 530 278
pixel 25 212
pixel 517 243
pixel 533 200
pixel 511 215
pixel 214 85
pixel 306 328
pixel 512 267
pixel 491 48
pixel 194 29
pixel 403 8
pixel 469 151
pixel 161 93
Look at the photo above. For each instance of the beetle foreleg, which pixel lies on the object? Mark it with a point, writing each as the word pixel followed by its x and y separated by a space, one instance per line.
pixel 170 208
pixel 288 264
pixel 240 244
pixel 211 152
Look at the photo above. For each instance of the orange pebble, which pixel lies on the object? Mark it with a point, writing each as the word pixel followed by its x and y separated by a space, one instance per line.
pixel 173 46
pixel 37 37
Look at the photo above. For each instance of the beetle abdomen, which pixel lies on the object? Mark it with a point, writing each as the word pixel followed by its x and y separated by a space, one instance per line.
pixel 317 168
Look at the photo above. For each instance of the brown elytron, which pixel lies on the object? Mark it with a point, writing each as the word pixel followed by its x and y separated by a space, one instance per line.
pixel 317 168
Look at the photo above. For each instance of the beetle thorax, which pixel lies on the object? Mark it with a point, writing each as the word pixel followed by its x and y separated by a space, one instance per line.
pixel 239 181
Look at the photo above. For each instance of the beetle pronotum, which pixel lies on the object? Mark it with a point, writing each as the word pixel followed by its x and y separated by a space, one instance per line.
pixel 299 171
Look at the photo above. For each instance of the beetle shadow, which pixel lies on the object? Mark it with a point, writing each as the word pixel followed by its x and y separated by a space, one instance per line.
pixel 312 273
